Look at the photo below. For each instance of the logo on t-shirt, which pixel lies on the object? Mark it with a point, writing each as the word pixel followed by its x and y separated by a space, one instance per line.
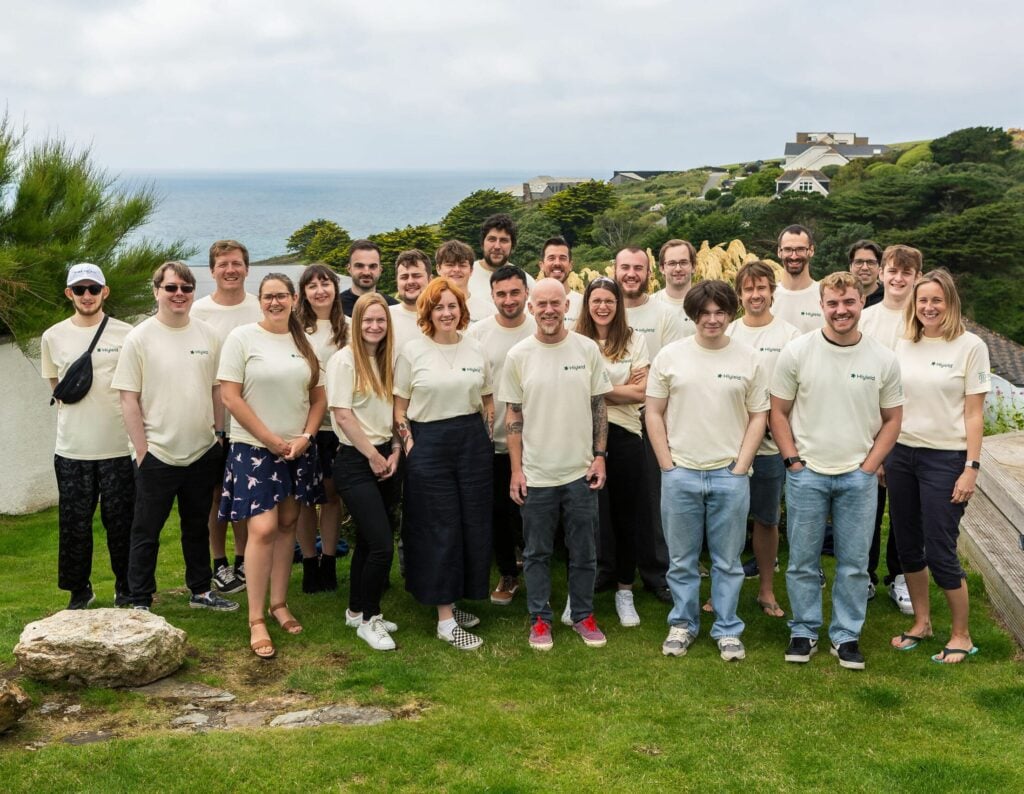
pixel 199 352
pixel 770 349
pixel 942 364
pixel 805 313
pixel 729 376
pixel 473 369
pixel 650 330
pixel 574 367
pixel 106 349
pixel 983 376
pixel 862 376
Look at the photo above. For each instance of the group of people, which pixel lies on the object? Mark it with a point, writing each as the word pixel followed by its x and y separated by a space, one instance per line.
pixel 485 411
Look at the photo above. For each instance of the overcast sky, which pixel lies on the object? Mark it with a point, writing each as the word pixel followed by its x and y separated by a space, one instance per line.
pixel 547 87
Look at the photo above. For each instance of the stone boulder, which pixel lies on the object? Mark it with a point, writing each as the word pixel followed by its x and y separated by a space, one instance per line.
pixel 13 703
pixel 101 647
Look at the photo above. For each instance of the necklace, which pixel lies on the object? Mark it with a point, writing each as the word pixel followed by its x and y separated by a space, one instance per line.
pixel 455 355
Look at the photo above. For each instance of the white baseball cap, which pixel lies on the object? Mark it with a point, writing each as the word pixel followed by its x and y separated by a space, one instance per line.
pixel 85 271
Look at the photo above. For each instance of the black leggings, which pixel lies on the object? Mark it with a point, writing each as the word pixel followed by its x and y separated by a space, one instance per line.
pixel 622 503
pixel 371 503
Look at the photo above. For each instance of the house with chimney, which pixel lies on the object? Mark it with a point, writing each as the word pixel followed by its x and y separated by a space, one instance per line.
pixel 812 151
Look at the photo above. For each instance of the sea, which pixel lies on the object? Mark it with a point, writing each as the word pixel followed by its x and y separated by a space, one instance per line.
pixel 262 209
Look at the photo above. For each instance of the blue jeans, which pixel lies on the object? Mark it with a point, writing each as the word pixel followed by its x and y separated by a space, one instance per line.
pixel 576 503
pixel 811 498
pixel 692 501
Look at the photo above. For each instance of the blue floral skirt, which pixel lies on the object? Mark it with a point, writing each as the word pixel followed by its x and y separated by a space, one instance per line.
pixel 255 481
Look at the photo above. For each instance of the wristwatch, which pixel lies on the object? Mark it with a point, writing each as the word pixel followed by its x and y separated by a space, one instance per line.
pixel 789 462
pixel 601 453
pixel 972 464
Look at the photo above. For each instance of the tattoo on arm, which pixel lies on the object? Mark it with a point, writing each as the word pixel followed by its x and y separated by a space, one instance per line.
pixel 599 411
pixel 515 427
pixel 403 433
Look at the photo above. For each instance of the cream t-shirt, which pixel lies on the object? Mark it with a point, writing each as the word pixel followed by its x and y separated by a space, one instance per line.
pixel 92 428
pixel 321 339
pixel 838 393
pixel 767 341
pixel 575 309
pixel 174 371
pixel 496 341
pixel 554 384
pixel 442 381
pixel 884 324
pixel 374 413
pixel 659 323
pixel 937 375
pixel 480 305
pixel 224 320
pixel 627 416
pixel 801 307
pixel 274 378
pixel 406 327
pixel 662 296
pixel 480 280
pixel 711 394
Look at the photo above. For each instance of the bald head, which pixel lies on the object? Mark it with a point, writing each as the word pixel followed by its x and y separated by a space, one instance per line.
pixel 548 305
pixel 547 286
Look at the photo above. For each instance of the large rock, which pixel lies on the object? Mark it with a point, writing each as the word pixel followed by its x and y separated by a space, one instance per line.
pixel 101 647
pixel 13 703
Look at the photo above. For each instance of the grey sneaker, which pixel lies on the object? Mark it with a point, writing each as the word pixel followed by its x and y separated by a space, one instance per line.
pixel 730 648
pixel 677 642
pixel 226 580
pixel 212 601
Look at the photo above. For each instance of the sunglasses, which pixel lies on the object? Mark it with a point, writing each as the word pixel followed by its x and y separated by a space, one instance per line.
pixel 92 289
pixel 172 288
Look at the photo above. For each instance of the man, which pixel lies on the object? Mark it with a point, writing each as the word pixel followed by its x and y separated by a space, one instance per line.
pixel 227 308
pixel 865 263
pixel 412 272
pixel 886 323
pixel 767 335
pixel 660 324
pixel 454 261
pixel 365 271
pixel 557 426
pixel 707 408
pixel 497 242
pixel 556 263
pixel 676 261
pixel 835 415
pixel 797 299
pixel 92 460
pixel 172 411
pixel 497 335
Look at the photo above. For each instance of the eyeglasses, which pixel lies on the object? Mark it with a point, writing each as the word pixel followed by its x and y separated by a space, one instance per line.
pixel 280 297
pixel 865 263
pixel 678 263
pixel 791 251
pixel 172 288
pixel 92 289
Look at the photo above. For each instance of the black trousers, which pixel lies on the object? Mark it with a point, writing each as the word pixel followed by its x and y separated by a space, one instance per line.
pixel 80 485
pixel 371 503
pixel 506 519
pixel 892 557
pixel 651 551
pixel 156 486
pixel 621 507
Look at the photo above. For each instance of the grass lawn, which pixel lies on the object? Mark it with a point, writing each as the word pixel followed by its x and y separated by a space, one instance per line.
pixel 507 718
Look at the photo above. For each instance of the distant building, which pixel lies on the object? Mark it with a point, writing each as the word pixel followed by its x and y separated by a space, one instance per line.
pixel 804 181
pixel 540 188
pixel 628 177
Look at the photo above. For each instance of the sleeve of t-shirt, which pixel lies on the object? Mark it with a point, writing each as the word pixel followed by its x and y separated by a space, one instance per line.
pixel 657 383
pixel 232 359
pixel 977 369
pixel 46 365
pixel 784 381
pixel 892 385
pixel 641 356
pixel 403 377
pixel 511 388
pixel 757 390
pixel 488 387
pixel 341 381
pixel 673 326
pixel 600 383
pixel 128 375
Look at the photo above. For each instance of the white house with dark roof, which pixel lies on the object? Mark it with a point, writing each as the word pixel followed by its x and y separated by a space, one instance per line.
pixel 802 180
pixel 813 151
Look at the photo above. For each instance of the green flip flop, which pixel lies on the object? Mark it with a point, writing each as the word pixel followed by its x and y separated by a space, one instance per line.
pixel 904 637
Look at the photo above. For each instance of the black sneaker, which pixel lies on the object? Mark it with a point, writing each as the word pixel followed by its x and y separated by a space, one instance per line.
pixel 849 655
pixel 663 594
pixel 81 599
pixel 240 571
pixel 801 649
pixel 871 591
pixel 212 601
pixel 122 600
pixel 225 580
pixel 750 569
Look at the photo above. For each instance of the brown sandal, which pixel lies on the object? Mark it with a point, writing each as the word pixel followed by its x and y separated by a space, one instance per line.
pixel 261 645
pixel 292 626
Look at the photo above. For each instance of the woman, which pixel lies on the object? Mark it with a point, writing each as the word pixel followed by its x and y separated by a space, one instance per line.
pixel 325 323
pixel 627 362
pixel 360 380
pixel 270 382
pixel 442 385
pixel 931 472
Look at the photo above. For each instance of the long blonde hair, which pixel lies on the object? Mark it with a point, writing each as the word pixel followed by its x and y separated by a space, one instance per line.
pixel 380 381
pixel 953 322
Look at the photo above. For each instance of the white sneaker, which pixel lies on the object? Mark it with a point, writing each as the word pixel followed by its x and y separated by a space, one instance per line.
pixel 567 613
pixel 730 648
pixel 624 607
pixel 899 593
pixel 677 641
pixel 355 619
pixel 375 634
